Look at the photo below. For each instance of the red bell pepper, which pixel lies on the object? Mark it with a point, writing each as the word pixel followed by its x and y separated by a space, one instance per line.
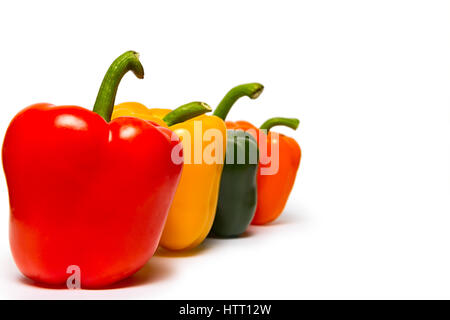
pixel 85 191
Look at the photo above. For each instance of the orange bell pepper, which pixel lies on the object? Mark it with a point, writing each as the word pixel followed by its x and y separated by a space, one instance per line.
pixel 273 187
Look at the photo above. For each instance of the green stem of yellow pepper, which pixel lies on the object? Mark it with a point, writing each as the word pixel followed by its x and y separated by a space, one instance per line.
pixel 287 122
pixel 104 103
pixel 251 90
pixel 186 112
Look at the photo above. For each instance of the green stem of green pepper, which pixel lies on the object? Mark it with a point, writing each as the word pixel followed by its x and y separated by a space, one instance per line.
pixel 287 122
pixel 104 103
pixel 186 112
pixel 251 90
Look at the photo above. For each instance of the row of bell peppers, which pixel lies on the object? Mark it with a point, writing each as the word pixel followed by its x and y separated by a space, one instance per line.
pixel 100 190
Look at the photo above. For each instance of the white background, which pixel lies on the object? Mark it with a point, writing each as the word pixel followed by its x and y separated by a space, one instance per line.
pixel 369 216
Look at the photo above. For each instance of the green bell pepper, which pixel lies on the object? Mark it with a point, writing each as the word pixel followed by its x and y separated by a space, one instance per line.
pixel 237 195
pixel 238 192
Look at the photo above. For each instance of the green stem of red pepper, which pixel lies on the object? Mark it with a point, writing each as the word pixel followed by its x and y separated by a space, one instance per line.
pixel 186 112
pixel 251 90
pixel 104 103
pixel 287 122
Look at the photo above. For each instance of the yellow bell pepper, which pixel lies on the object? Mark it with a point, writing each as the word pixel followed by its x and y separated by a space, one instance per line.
pixel 194 206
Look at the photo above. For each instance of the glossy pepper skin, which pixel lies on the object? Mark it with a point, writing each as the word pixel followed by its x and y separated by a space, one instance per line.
pixel 273 190
pixel 86 192
pixel 238 194
pixel 194 205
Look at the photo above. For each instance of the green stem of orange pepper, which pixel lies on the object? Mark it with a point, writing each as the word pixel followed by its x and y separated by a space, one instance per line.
pixel 287 122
